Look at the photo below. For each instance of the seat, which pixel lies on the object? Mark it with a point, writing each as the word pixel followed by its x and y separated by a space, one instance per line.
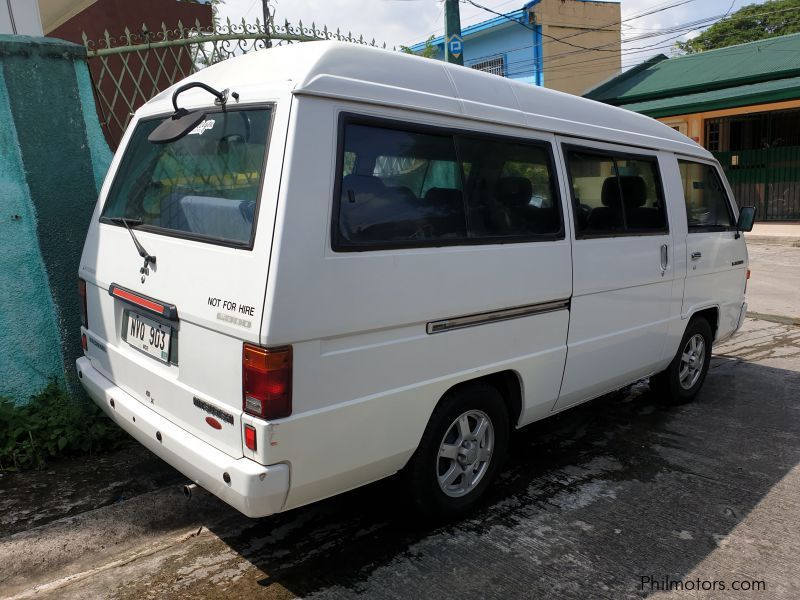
pixel 634 194
pixel 445 210
pixel 518 214
pixel 371 211
pixel 609 216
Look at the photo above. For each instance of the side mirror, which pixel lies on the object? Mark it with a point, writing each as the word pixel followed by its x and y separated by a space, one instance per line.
pixel 747 215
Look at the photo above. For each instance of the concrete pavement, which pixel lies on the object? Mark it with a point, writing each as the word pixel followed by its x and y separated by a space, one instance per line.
pixel 774 288
pixel 604 501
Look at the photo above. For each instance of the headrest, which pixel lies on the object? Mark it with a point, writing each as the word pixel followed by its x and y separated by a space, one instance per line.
pixel 610 194
pixel 634 190
pixel 515 191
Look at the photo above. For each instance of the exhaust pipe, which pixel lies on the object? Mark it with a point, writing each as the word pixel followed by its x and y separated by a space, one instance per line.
pixel 190 489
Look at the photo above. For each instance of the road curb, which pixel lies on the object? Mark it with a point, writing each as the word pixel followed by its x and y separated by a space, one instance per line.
pixel 794 321
pixel 773 240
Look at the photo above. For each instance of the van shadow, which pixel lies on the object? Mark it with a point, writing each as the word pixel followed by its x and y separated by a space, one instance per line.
pixel 592 499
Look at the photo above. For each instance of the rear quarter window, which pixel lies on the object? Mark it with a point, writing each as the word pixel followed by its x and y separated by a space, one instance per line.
pixel 408 187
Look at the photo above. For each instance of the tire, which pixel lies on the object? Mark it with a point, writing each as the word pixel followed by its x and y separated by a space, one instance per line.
pixel 447 486
pixel 680 382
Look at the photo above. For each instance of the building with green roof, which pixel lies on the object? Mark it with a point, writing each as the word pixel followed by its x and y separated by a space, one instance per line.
pixel 741 102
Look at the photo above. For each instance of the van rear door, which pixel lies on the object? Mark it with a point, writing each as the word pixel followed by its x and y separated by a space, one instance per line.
pixel 169 329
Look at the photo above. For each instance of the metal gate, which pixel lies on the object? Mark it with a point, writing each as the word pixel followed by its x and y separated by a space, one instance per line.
pixel 768 179
pixel 129 70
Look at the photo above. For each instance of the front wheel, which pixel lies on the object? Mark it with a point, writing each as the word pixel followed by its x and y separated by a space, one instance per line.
pixel 682 379
pixel 460 452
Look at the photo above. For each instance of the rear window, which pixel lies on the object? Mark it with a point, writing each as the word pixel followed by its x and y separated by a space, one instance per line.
pixel 203 186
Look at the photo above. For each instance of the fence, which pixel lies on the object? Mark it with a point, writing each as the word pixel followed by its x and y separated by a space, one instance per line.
pixel 130 69
pixel 768 179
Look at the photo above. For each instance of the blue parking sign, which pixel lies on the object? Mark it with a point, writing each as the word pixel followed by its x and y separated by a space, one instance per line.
pixel 455 45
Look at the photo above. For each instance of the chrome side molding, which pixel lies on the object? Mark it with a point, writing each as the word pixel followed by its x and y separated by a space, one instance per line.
pixel 503 314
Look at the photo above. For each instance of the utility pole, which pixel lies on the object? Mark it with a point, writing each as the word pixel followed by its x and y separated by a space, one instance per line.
pixel 267 22
pixel 453 44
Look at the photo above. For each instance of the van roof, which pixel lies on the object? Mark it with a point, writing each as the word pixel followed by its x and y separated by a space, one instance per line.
pixel 384 77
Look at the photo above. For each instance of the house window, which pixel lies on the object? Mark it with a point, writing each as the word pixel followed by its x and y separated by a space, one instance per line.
pixel 713 135
pixel 495 65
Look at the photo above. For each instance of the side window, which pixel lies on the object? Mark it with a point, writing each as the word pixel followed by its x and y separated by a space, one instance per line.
pixel 403 188
pixel 707 204
pixel 595 193
pixel 641 194
pixel 614 194
pixel 510 188
pixel 399 187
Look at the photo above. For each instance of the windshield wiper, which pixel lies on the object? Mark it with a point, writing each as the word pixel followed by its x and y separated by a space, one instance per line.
pixel 129 224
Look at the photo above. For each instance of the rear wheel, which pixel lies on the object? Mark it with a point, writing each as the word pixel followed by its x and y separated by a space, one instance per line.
pixel 460 452
pixel 682 380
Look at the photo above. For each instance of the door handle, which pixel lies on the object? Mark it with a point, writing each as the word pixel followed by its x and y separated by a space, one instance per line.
pixel 697 255
pixel 664 257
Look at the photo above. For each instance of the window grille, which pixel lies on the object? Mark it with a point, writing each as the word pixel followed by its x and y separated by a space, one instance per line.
pixel 495 65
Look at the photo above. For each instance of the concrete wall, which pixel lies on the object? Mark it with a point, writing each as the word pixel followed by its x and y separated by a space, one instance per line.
pixel 693 125
pixel 52 161
pixel 581 23
pixel 514 43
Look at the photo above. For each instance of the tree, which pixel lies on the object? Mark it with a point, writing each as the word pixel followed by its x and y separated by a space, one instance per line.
pixel 748 24
pixel 429 51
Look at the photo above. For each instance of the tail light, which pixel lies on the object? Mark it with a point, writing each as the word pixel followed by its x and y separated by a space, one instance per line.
pixel 746 279
pixel 267 381
pixel 82 294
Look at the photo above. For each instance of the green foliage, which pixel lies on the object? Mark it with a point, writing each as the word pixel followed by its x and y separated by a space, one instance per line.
pixel 52 426
pixel 748 24
pixel 429 51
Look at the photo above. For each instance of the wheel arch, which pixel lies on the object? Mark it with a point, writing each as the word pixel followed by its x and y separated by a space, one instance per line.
pixel 711 315
pixel 508 382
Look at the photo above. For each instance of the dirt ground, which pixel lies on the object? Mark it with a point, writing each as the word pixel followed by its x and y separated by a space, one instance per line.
pixel 605 501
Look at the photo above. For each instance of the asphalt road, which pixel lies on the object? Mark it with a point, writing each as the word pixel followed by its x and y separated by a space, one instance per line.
pixel 592 502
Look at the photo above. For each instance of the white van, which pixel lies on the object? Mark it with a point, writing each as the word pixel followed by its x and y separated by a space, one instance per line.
pixel 314 266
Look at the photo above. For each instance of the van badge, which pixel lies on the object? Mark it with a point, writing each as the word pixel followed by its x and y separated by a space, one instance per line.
pixel 234 320
pixel 213 410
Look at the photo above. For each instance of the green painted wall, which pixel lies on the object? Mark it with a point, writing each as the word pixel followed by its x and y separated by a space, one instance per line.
pixel 52 161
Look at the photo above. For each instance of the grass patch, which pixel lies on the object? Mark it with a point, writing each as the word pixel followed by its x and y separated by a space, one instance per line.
pixel 53 426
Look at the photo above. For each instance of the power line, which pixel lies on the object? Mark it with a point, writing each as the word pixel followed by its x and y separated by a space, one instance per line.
pixel 637 50
pixel 658 8
pixel 525 25
pixel 600 28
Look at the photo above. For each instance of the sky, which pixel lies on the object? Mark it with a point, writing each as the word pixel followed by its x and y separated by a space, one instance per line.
pixel 405 22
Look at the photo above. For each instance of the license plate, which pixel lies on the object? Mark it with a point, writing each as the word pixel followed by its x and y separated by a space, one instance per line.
pixel 149 336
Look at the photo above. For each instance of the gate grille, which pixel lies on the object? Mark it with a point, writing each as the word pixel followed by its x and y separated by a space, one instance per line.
pixel 768 179
pixel 129 70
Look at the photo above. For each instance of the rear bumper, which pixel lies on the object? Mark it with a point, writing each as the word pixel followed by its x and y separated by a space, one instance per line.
pixel 252 489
